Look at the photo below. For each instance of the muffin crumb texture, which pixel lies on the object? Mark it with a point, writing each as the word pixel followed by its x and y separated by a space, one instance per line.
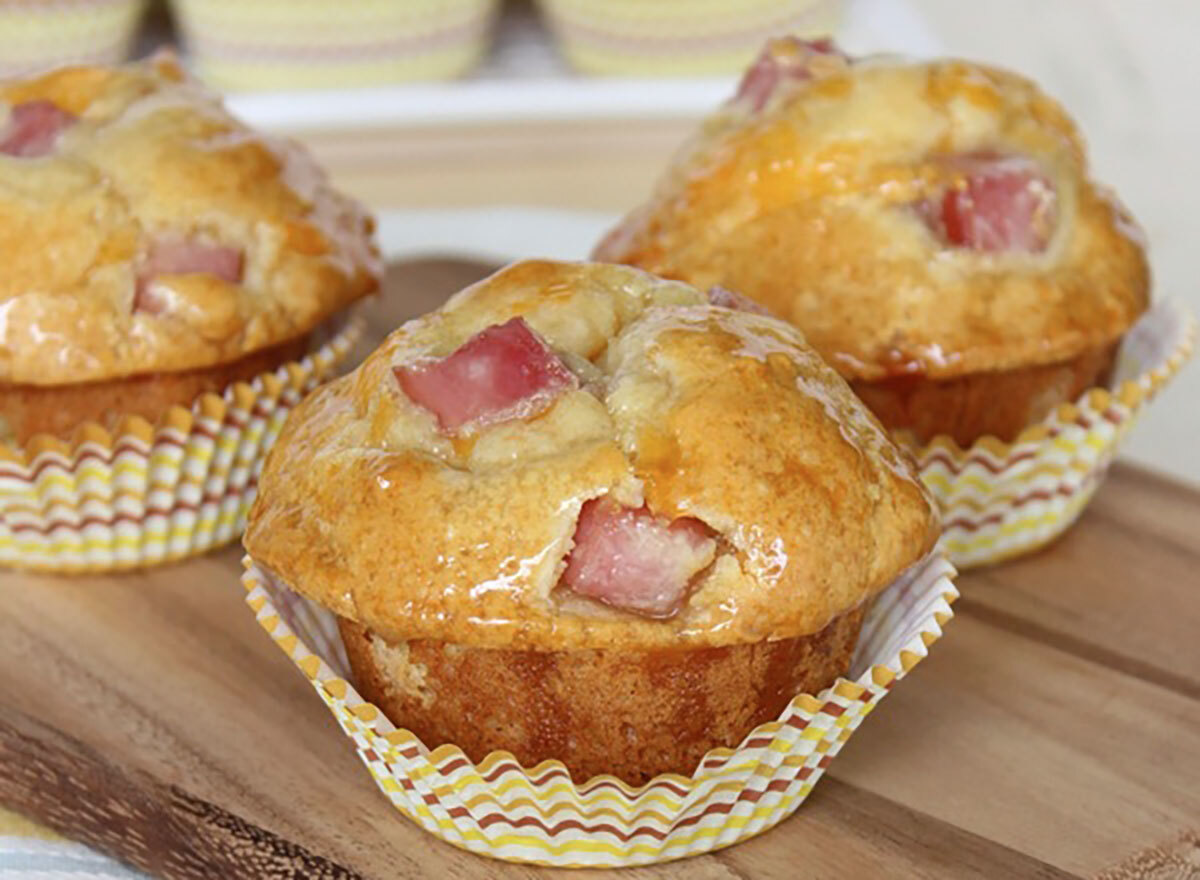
pixel 633 715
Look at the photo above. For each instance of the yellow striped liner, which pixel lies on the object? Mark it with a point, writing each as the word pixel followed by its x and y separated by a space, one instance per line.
pixel 1001 500
pixel 679 37
pixel 312 44
pixel 146 493
pixel 539 815
pixel 36 34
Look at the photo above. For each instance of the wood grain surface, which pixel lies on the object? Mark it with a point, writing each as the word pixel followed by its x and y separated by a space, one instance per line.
pixel 1054 731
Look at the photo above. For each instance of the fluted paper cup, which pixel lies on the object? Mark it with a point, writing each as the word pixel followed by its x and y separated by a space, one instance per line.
pixel 313 44
pixel 37 35
pixel 679 37
pixel 145 493
pixel 540 815
pixel 1001 500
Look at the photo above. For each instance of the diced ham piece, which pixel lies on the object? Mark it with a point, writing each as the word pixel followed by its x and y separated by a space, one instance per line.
pixel 634 560
pixel 183 256
pixel 187 256
pixel 731 299
pixel 504 372
pixel 782 60
pixel 33 129
pixel 1000 203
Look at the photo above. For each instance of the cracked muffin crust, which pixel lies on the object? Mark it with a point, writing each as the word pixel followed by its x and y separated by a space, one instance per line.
pixel 144 230
pixel 793 505
pixel 575 468
pixel 929 222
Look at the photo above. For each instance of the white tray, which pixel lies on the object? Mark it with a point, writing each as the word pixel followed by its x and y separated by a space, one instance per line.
pixel 525 78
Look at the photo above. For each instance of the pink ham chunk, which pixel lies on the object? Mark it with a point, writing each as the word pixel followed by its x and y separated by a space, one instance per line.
pixel 731 299
pixel 787 59
pixel 1001 203
pixel 33 129
pixel 505 372
pixel 634 560
pixel 183 256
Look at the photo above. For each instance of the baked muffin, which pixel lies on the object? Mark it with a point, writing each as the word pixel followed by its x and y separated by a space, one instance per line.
pixel 155 248
pixel 930 226
pixel 580 513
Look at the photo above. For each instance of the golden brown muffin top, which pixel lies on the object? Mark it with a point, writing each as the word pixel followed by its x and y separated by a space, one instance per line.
pixel 143 228
pixel 368 506
pixel 852 198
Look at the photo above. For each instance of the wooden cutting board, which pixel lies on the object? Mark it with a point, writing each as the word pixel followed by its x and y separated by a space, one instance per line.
pixel 1054 731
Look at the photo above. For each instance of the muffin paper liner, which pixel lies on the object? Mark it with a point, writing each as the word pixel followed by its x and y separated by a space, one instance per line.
pixel 500 809
pixel 1001 500
pixel 150 493
pixel 296 44
pixel 654 37
pixel 38 34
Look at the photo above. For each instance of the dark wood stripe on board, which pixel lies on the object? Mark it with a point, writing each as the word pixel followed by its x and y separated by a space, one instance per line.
pixel 908 841
pixel 161 829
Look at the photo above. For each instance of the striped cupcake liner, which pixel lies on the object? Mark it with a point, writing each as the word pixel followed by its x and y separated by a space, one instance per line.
pixel 679 37
pixel 146 493
pixel 539 815
pixel 1001 500
pixel 37 35
pixel 313 44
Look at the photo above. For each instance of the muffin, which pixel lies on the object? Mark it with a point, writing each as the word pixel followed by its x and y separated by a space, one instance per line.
pixel 930 226
pixel 580 513
pixel 155 248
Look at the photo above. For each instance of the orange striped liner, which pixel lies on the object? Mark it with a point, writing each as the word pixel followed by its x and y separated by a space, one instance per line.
pixel 1001 500
pixel 146 493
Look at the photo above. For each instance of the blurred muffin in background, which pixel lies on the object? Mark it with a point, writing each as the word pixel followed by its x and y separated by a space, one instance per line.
pixel 155 248
pixel 40 34
pixel 931 226
pixel 296 44
pixel 678 37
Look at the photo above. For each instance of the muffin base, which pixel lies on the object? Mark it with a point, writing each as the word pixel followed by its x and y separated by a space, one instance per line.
pixel 499 809
pixel 999 404
pixel 630 714
pixel 58 410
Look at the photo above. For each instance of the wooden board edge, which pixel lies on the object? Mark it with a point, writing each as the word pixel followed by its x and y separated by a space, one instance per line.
pixel 163 830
